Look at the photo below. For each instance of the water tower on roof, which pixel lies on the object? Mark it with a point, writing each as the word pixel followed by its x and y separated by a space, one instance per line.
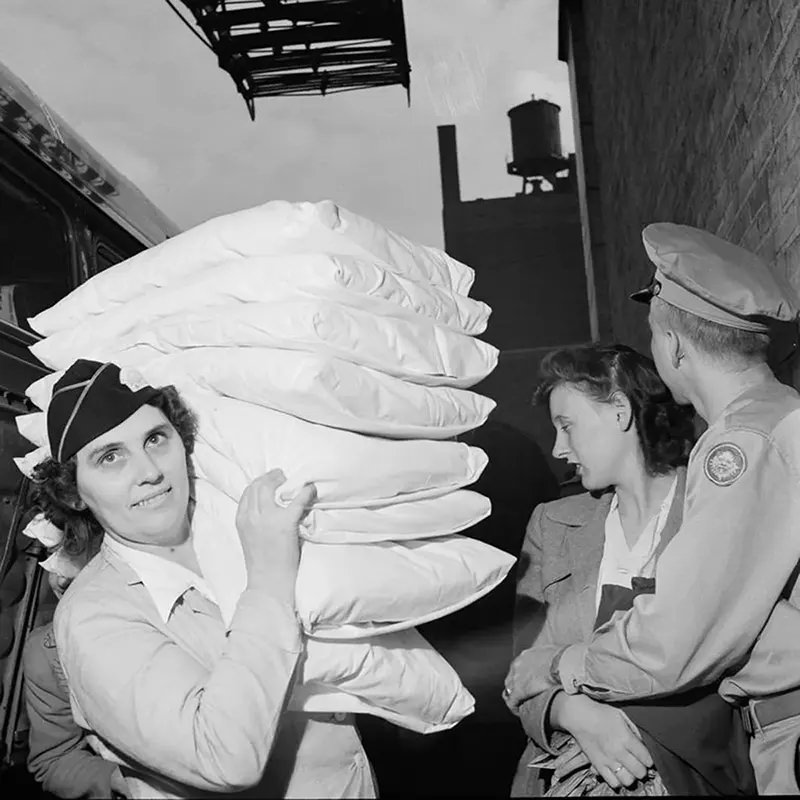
pixel 536 143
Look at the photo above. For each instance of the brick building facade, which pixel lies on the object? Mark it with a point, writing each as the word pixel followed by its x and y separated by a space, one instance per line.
pixel 528 259
pixel 527 255
pixel 686 111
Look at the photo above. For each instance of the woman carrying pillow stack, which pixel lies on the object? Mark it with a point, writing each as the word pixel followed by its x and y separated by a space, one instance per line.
pixel 185 692
pixel 197 571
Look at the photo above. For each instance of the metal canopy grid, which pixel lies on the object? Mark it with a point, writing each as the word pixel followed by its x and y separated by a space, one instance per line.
pixel 300 47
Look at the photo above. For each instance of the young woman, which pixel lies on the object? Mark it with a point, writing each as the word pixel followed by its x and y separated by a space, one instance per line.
pixel 586 557
pixel 60 756
pixel 179 677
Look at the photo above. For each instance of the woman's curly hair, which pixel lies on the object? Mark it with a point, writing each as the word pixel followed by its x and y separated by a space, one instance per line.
pixel 55 485
pixel 664 428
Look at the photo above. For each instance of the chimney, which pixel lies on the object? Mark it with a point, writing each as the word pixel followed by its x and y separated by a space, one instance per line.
pixel 448 164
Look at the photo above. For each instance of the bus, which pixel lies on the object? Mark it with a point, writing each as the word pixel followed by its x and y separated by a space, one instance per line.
pixel 65 214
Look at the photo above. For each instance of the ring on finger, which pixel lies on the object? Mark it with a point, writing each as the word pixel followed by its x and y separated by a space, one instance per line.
pixel 618 769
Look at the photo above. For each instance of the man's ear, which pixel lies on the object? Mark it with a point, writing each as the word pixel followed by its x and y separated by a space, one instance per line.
pixel 676 348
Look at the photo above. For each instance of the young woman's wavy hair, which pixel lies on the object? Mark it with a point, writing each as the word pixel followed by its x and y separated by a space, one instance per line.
pixel 56 490
pixel 665 429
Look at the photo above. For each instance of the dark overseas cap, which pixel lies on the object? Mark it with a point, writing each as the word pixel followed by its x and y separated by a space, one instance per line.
pixel 714 279
pixel 90 399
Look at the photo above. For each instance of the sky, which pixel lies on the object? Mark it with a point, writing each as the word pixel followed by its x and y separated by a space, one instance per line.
pixel 143 91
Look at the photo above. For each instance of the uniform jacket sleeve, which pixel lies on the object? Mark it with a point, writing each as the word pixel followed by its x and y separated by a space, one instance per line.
pixel 59 757
pixel 149 699
pixel 531 628
pixel 718 579
pixel 774 664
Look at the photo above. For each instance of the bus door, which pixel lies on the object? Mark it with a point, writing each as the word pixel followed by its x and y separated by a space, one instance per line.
pixel 36 270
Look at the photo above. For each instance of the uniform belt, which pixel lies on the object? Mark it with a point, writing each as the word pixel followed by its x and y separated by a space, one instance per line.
pixel 761 713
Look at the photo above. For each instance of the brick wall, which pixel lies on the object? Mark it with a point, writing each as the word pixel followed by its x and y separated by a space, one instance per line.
pixel 694 105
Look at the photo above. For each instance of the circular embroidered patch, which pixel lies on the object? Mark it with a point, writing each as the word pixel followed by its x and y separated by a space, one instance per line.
pixel 725 463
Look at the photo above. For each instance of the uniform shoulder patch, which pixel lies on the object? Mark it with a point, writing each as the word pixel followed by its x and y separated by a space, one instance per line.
pixel 725 463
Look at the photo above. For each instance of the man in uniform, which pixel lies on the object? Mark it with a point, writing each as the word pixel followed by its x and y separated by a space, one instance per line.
pixel 727 592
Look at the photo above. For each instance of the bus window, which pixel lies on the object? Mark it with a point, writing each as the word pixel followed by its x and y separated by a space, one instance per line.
pixel 34 252
pixel 105 256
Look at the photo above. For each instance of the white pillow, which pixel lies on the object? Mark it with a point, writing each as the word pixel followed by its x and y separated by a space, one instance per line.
pixel 421 513
pixel 239 441
pixel 355 591
pixel 26 463
pixel 417 350
pixel 398 676
pixel 40 391
pixel 427 518
pixel 33 427
pixel 275 228
pixel 349 591
pixel 314 387
pixel 324 390
pixel 274 279
pixel 418 519
pixel 406 257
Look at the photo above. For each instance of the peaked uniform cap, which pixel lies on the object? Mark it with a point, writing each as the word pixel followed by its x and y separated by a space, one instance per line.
pixel 714 279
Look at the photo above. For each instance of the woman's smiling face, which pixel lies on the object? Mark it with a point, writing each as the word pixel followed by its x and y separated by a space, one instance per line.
pixel 134 479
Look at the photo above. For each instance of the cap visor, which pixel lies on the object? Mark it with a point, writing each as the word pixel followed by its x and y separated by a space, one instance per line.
pixel 643 295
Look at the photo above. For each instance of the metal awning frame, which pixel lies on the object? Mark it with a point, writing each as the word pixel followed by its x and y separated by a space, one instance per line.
pixel 301 47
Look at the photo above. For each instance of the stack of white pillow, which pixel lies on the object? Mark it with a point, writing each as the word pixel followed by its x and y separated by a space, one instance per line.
pixel 308 338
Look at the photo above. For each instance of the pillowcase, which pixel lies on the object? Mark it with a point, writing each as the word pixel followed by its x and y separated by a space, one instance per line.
pixel 33 427
pixel 398 677
pixel 275 228
pixel 406 257
pixel 26 463
pixel 238 441
pixel 418 350
pixel 314 387
pixel 324 390
pixel 351 591
pixel 275 279
pixel 356 591
pixel 418 519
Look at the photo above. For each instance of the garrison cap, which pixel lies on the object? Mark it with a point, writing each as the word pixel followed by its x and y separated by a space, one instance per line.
pixel 90 399
pixel 719 281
